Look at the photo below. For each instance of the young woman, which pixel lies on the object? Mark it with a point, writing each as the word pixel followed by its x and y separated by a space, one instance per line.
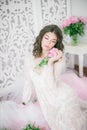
pixel 61 107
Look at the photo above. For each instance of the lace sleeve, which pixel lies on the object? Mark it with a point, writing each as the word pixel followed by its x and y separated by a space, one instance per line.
pixel 52 73
pixel 59 68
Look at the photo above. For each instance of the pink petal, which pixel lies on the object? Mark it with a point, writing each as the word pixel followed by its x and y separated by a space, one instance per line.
pixel 53 52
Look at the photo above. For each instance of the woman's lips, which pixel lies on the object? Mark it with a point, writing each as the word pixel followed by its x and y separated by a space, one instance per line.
pixel 47 46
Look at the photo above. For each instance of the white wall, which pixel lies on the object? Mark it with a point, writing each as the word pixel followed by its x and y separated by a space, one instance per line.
pixel 78 8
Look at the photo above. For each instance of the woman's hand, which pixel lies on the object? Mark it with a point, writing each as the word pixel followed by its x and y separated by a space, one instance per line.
pixel 58 57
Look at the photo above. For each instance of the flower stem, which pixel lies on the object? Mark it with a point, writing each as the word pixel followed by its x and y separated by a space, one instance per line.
pixel 74 40
pixel 44 61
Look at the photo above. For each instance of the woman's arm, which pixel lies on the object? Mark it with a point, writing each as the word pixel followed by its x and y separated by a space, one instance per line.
pixel 59 68
pixel 53 70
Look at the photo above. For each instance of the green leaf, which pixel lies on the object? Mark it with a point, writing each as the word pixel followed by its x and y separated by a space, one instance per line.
pixel 44 61
pixel 31 127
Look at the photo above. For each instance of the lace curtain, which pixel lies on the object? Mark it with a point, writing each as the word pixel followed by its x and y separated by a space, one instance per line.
pixel 20 22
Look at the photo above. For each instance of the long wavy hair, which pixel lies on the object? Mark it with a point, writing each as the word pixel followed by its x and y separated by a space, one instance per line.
pixel 37 49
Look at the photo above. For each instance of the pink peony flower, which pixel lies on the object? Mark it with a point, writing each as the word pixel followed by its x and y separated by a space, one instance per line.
pixel 53 52
pixel 83 20
pixel 66 23
pixel 73 19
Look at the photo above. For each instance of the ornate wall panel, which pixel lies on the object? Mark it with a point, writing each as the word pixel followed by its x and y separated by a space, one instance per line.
pixel 54 11
pixel 16 35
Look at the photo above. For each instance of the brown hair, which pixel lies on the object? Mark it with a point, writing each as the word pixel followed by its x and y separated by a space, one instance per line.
pixel 37 50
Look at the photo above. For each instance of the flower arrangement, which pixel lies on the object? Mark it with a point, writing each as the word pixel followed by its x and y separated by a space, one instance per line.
pixel 74 26
pixel 53 52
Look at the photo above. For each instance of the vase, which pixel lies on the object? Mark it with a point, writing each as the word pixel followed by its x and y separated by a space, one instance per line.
pixel 74 40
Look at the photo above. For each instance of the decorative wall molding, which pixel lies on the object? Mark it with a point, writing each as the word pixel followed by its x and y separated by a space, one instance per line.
pixel 54 11
pixel 16 35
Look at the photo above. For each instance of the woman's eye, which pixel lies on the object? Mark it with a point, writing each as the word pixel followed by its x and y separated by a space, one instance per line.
pixel 53 41
pixel 46 38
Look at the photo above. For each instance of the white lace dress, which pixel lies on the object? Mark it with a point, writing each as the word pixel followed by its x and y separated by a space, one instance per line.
pixel 59 103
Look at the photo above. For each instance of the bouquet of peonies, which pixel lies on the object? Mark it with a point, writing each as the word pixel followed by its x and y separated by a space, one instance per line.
pixel 52 53
pixel 74 26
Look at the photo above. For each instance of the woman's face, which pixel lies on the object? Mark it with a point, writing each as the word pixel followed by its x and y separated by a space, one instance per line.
pixel 48 41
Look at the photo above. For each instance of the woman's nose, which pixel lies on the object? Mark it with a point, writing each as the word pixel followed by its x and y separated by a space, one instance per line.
pixel 49 41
